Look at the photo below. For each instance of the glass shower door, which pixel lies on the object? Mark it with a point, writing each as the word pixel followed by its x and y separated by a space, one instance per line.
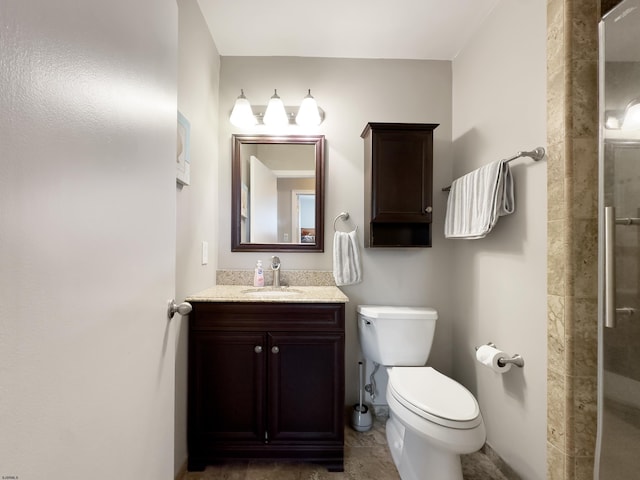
pixel 618 455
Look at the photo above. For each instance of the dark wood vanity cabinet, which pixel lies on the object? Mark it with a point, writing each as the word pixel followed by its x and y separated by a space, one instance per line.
pixel 266 380
pixel 398 184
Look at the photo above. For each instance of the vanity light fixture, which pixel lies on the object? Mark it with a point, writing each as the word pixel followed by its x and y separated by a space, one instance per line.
pixel 276 114
pixel 631 119
pixel 308 114
pixel 612 120
pixel 242 115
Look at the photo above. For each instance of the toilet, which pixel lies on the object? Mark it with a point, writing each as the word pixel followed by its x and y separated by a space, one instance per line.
pixel 432 418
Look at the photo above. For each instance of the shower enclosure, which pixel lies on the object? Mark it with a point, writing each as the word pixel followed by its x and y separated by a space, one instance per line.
pixel 618 443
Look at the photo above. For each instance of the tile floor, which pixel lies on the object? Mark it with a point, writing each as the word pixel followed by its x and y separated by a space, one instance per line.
pixel 366 458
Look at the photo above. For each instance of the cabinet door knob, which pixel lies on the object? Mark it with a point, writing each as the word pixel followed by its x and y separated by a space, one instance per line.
pixel 275 349
pixel 428 209
pixel 258 349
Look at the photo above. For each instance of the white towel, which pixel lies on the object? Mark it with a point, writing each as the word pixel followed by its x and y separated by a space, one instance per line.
pixel 347 268
pixel 477 200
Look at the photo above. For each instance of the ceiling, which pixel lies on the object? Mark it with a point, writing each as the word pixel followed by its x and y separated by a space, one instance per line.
pixel 407 29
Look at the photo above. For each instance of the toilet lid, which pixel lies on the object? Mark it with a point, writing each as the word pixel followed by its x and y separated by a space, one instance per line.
pixel 434 396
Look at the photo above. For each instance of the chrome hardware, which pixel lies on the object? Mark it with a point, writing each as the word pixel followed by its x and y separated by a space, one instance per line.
pixel 183 309
pixel 517 360
pixel 491 344
pixel 344 216
pixel 275 266
pixel 627 221
pixel 428 209
pixel 258 349
pixel 275 349
pixel 610 309
pixel 609 267
pixel 536 155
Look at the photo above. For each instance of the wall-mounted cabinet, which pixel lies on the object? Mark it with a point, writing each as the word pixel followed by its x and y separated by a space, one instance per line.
pixel 398 184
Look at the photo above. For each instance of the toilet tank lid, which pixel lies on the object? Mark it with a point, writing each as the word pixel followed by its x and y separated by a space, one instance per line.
pixel 382 311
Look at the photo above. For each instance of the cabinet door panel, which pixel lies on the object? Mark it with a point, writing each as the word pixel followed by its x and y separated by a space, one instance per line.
pixel 226 386
pixel 306 386
pixel 401 177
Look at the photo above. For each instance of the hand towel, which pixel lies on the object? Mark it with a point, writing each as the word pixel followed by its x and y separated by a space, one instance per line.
pixel 347 268
pixel 477 200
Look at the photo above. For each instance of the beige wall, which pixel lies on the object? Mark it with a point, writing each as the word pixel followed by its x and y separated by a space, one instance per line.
pixel 197 203
pixel 487 126
pixel 353 92
pixel 499 108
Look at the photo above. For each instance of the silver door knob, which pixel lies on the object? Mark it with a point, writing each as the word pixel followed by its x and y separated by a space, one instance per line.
pixel 183 309
pixel 428 209
pixel 258 349
pixel 275 350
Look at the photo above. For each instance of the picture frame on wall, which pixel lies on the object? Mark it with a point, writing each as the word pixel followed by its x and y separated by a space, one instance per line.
pixel 183 161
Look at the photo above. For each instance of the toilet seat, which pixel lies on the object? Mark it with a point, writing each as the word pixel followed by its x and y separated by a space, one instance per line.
pixel 434 397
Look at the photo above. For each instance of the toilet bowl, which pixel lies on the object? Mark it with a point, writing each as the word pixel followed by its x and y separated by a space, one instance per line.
pixel 433 419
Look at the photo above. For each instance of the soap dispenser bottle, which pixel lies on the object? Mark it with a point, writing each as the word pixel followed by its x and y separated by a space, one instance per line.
pixel 258 276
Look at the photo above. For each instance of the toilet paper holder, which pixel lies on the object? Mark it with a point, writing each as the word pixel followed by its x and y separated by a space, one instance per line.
pixel 516 360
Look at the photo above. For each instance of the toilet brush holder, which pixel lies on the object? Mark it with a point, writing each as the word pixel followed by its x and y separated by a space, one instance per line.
pixel 361 419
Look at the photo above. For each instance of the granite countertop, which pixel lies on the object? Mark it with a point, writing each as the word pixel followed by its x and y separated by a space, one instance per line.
pixel 294 294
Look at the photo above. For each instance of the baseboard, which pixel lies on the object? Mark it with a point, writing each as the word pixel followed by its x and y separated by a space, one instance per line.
pixel 381 411
pixel 508 472
pixel 182 472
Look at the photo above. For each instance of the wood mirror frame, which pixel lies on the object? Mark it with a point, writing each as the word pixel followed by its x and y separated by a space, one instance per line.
pixel 237 245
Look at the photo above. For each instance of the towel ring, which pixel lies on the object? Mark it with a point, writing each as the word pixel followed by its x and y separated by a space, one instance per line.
pixel 341 216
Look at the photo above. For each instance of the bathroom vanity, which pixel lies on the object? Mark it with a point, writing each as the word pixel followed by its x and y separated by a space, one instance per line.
pixel 266 375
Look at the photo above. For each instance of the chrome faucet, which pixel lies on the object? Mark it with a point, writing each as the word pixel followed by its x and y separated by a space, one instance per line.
pixel 275 266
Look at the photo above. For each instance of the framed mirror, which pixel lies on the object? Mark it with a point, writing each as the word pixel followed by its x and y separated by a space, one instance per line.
pixel 277 189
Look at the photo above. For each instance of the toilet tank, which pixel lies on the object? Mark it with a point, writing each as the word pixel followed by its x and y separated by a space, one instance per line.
pixel 396 336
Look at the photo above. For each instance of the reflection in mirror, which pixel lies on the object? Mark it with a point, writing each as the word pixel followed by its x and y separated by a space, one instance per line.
pixel 277 193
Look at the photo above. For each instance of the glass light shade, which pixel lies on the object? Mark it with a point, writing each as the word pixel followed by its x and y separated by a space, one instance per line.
pixel 308 114
pixel 632 116
pixel 276 115
pixel 242 115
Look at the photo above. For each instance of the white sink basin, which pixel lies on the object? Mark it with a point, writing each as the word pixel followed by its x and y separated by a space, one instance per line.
pixel 271 292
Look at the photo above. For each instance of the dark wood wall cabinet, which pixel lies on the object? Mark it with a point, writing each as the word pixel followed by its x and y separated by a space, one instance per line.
pixel 266 381
pixel 398 184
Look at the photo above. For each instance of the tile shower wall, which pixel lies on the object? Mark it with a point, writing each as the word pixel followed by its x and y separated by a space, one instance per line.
pixel 572 49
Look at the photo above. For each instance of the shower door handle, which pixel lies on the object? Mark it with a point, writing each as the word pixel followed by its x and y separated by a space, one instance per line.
pixel 609 267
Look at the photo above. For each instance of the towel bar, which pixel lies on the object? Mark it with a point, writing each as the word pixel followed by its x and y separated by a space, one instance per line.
pixel 536 154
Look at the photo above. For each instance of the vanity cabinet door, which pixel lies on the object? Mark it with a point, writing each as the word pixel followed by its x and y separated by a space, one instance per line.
pixel 227 377
pixel 266 381
pixel 306 387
